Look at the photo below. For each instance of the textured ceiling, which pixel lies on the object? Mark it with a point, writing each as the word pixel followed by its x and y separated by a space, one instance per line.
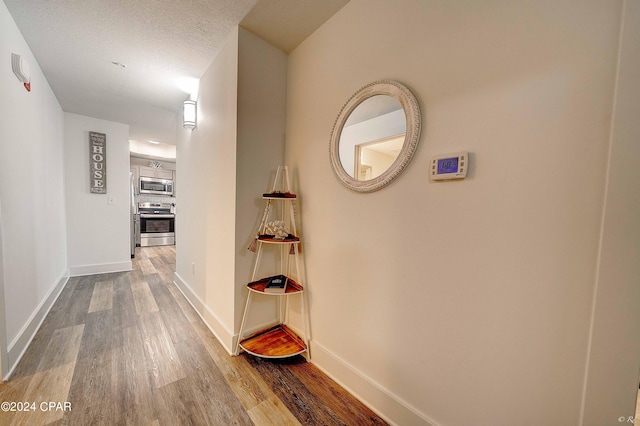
pixel 161 42
pixel 286 23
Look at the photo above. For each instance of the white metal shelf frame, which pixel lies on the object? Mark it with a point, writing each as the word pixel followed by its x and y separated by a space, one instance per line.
pixel 288 247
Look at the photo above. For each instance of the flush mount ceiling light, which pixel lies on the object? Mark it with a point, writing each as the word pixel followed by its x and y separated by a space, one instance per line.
pixel 154 142
pixel 189 109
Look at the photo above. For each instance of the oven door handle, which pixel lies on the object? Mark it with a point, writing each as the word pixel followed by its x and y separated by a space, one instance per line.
pixel 157 216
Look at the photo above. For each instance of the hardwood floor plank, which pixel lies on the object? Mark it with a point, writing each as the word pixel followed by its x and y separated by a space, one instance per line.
pixel 146 266
pixel 124 308
pixel 81 299
pixel 217 401
pixel 154 279
pixel 305 406
pixel 90 391
pixel 54 320
pixel 162 360
pixel 142 298
pixel 247 384
pixel 177 325
pixel 348 408
pixel 186 308
pixel 99 334
pixel 102 298
pixel 177 406
pixel 13 391
pixel 131 384
pixel 158 262
pixel 51 385
pixel 63 347
pixel 136 275
pixel 272 412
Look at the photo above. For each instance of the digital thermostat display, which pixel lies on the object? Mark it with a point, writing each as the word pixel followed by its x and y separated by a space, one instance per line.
pixel 449 166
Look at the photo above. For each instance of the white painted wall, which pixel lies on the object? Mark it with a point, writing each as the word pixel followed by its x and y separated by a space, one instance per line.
pixel 4 356
pixel 32 192
pixel 98 241
pixel 463 302
pixel 614 358
pixel 206 160
pixel 262 79
pixel 239 141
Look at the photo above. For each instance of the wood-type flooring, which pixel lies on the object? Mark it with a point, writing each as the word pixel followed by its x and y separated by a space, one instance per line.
pixel 128 349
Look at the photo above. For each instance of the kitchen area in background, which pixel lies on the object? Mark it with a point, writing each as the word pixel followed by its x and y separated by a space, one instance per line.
pixel 153 198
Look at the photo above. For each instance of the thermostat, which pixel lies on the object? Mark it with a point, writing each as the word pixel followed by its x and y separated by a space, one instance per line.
pixel 449 166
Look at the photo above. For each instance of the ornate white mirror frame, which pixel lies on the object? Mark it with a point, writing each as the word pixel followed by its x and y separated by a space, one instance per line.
pixel 413 127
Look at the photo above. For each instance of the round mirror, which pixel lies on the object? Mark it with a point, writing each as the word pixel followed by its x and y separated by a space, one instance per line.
pixel 375 135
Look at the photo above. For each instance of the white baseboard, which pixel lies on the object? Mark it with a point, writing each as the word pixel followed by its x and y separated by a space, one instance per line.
pixel 102 268
pixel 217 327
pixel 19 345
pixel 387 405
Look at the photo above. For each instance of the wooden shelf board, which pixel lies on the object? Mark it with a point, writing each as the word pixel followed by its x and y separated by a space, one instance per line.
pixel 260 285
pixel 275 342
pixel 275 197
pixel 295 240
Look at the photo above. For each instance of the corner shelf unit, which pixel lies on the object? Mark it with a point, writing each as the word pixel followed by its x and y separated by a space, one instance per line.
pixel 276 341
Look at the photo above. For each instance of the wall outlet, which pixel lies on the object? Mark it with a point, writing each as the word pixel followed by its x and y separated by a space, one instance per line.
pixel 193 268
pixel 111 200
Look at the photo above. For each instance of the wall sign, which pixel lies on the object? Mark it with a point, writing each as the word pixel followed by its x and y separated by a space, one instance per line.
pixel 98 163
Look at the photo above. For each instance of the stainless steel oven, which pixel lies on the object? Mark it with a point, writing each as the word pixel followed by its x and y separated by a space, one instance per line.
pixel 157 224
pixel 149 185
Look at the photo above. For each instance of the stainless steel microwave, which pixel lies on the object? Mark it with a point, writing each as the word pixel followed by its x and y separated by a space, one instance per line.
pixel 150 185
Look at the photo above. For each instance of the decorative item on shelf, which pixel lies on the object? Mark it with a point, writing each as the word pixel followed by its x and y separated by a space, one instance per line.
pixel 276 284
pixel 278 341
pixel 253 245
pixel 155 164
pixel 277 230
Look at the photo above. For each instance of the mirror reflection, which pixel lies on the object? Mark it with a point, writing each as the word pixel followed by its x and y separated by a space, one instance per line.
pixel 372 137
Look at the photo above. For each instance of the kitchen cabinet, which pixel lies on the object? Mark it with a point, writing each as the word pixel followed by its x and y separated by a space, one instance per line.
pixel 156 172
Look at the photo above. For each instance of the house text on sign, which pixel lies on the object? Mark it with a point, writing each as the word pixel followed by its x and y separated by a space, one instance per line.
pixel 98 163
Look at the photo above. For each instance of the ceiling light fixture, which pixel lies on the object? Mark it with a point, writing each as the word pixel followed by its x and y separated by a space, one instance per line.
pixel 21 70
pixel 154 142
pixel 189 114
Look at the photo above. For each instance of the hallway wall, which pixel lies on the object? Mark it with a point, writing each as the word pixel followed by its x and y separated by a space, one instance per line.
pixel 465 302
pixel 98 241
pixel 32 193
pixel 614 357
pixel 231 158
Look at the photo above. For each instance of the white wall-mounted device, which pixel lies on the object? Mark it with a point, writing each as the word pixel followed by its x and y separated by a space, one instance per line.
pixel 21 70
pixel 449 166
